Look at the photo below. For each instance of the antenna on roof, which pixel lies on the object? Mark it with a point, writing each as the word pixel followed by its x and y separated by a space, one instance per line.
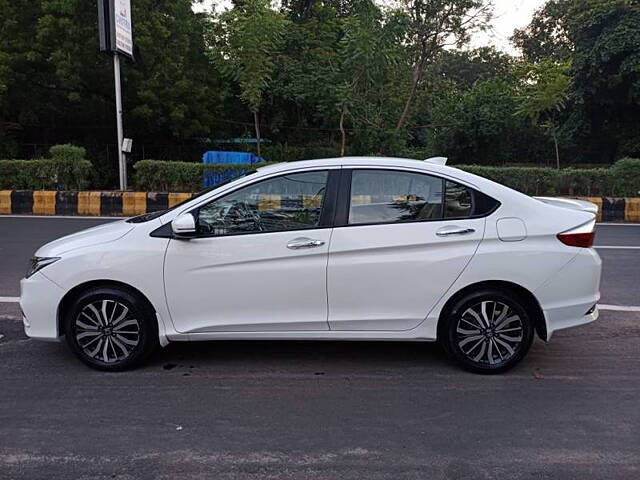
pixel 437 160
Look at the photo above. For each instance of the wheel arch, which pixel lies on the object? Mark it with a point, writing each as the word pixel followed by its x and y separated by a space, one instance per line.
pixel 524 294
pixel 76 291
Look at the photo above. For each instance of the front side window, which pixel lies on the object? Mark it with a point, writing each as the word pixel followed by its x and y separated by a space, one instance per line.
pixel 386 196
pixel 288 202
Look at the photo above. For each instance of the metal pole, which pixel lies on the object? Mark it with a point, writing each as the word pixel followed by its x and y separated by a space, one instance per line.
pixel 122 166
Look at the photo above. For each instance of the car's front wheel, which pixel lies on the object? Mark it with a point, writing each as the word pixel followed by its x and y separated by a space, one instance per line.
pixel 487 331
pixel 110 328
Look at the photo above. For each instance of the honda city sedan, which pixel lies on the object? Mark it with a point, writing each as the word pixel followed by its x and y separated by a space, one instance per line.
pixel 338 249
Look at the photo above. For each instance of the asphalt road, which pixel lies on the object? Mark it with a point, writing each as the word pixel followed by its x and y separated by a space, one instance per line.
pixel 323 410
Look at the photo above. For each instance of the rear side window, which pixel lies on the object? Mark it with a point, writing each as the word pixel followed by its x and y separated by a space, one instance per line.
pixel 389 196
pixel 458 200
pixel 383 196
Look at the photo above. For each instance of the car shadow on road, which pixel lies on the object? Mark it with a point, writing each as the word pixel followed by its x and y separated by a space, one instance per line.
pixel 294 356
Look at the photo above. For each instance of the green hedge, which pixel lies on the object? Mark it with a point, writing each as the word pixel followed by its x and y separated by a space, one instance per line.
pixel 622 179
pixel 168 176
pixel 66 169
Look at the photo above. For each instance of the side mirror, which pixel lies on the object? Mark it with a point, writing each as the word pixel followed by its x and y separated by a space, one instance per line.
pixel 184 226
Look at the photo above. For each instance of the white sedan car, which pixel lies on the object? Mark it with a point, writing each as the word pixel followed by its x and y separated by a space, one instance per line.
pixel 337 249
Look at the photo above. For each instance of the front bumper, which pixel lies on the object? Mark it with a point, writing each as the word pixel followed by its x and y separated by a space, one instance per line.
pixel 39 300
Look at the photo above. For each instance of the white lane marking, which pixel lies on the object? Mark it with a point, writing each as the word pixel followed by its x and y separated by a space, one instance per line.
pixel 609 224
pixel 79 217
pixel 619 308
pixel 9 299
pixel 617 247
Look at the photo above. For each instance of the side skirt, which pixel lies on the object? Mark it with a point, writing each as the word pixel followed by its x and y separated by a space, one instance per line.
pixel 403 336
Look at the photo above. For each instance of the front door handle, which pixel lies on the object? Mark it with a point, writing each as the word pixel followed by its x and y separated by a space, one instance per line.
pixel 453 230
pixel 304 242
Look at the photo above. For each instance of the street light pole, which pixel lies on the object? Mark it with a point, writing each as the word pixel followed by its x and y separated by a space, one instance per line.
pixel 122 165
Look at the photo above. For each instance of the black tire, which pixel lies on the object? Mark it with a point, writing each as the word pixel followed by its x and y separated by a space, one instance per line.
pixel 129 340
pixel 489 342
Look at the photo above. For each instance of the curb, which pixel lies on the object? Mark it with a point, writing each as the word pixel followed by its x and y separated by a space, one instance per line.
pixel 127 204
pixel 106 204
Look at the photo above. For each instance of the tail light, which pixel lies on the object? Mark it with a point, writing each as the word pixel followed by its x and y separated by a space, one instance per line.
pixel 582 236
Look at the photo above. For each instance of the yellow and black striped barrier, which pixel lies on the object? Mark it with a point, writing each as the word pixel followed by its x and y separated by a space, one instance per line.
pixel 128 204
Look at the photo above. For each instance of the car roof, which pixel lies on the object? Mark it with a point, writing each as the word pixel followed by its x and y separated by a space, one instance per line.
pixel 353 161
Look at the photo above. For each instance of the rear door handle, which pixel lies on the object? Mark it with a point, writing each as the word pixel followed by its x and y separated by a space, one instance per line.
pixel 304 242
pixel 453 230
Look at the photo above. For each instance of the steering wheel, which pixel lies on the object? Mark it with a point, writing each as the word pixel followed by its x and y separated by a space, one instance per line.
pixel 240 212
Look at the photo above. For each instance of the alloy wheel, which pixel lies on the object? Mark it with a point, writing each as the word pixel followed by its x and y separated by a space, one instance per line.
pixel 106 331
pixel 489 333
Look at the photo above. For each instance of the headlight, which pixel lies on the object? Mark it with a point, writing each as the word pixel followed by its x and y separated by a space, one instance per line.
pixel 38 263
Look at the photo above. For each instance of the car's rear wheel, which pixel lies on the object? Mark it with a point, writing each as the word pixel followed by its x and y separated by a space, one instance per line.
pixel 487 331
pixel 111 329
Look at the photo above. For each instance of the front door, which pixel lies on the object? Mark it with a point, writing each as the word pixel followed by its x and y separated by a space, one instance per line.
pixel 259 260
pixel 403 243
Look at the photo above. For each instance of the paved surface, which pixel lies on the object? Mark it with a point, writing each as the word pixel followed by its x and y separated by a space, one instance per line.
pixel 314 410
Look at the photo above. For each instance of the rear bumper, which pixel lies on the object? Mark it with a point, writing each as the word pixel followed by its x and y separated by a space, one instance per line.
pixel 39 300
pixel 568 298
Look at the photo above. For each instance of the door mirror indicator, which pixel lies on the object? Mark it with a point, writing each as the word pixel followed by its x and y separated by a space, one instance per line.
pixel 184 226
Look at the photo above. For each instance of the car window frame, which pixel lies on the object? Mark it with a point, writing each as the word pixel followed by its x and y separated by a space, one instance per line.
pixel 327 212
pixel 344 198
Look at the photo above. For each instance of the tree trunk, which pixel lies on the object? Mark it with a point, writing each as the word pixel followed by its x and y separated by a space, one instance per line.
pixel 555 142
pixel 256 123
pixel 343 143
pixel 415 79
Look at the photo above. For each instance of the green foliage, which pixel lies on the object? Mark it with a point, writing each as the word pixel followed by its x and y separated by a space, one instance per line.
pixel 168 176
pixel 621 180
pixel 328 77
pixel 544 90
pixel 550 181
pixel 67 152
pixel 465 68
pixel 67 169
pixel 478 123
pixel 543 95
pixel 626 177
pixel 546 36
pixel 55 83
pixel 606 76
pixel 249 34
pixel 432 26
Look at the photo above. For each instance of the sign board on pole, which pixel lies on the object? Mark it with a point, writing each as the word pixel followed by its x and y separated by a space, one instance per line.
pixel 127 143
pixel 122 24
pixel 115 27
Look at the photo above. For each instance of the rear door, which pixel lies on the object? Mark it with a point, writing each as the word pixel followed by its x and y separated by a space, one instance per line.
pixel 401 239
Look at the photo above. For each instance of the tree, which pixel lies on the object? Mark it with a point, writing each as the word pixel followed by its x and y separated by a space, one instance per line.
pixel 59 87
pixel 434 25
pixel 605 88
pixel 249 36
pixel 467 67
pixel 477 125
pixel 546 37
pixel 366 54
pixel 544 93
